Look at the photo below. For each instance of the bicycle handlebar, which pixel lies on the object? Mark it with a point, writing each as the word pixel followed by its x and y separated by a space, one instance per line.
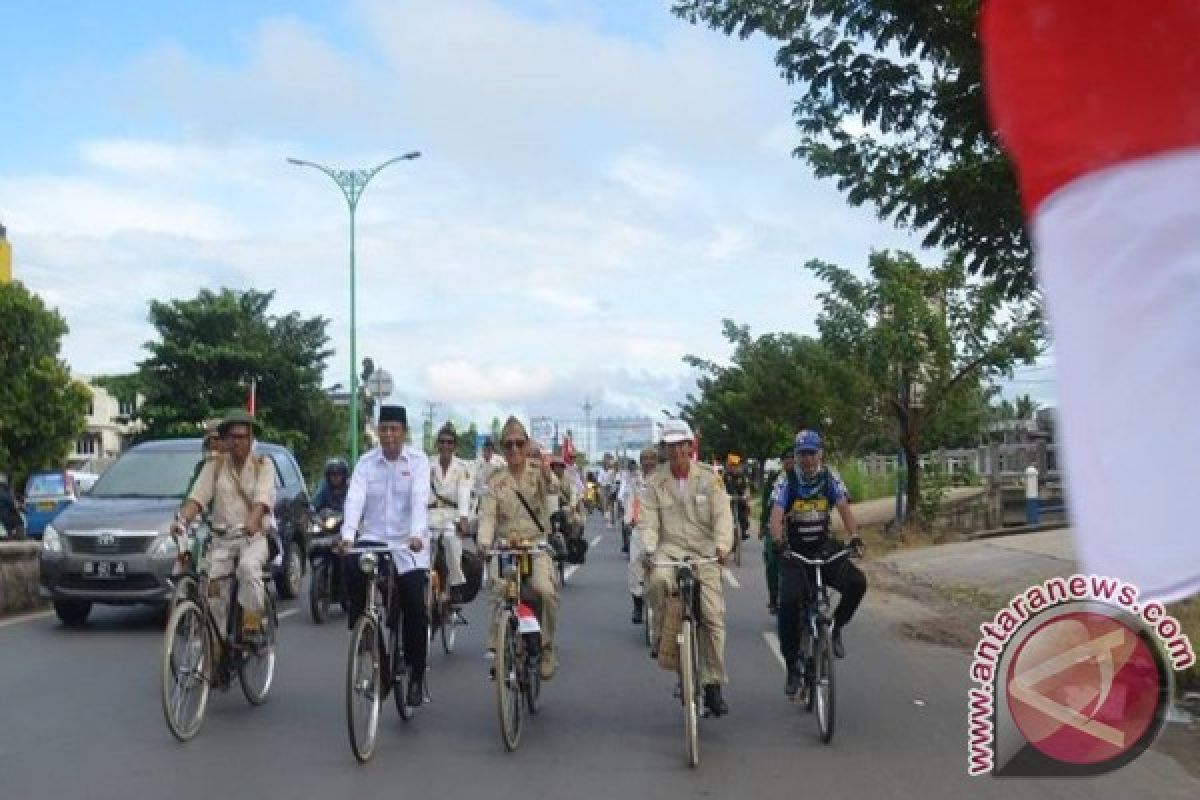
pixel 792 555
pixel 535 548
pixel 685 562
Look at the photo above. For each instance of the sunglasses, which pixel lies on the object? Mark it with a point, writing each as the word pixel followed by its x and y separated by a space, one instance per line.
pixel 446 441
pixel 239 437
pixel 514 444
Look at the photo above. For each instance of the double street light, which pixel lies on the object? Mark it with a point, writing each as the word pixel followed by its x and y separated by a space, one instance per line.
pixel 352 182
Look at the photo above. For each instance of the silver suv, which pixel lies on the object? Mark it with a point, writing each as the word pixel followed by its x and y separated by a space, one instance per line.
pixel 112 546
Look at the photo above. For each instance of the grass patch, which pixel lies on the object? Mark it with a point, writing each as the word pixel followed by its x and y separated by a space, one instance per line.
pixel 862 485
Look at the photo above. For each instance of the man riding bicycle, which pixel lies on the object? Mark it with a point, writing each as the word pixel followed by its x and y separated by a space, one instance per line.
pixel 449 504
pixel 738 489
pixel 387 505
pixel 804 500
pixel 787 461
pixel 633 508
pixel 240 488
pixel 685 513
pixel 514 507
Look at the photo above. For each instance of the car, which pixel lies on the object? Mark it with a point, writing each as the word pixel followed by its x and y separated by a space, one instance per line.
pixel 113 546
pixel 47 493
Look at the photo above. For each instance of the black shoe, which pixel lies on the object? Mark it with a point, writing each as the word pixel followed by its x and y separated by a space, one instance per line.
pixel 416 695
pixel 839 649
pixel 795 679
pixel 713 700
pixel 773 608
pixel 637 611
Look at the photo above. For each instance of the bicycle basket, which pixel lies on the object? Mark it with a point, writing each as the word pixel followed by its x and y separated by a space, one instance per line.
pixel 668 643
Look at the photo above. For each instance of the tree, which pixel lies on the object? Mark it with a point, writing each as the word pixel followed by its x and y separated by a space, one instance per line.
pixel 923 340
pixel 1026 407
pixel 42 410
pixel 211 347
pixel 466 443
pixel 774 385
pixel 892 107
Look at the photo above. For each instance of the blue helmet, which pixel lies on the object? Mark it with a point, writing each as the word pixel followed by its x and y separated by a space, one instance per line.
pixel 807 441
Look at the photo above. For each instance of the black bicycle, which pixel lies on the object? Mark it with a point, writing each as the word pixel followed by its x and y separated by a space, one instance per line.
pixel 376 663
pixel 518 655
pixel 816 646
pixel 199 654
pixel 445 615
pixel 686 592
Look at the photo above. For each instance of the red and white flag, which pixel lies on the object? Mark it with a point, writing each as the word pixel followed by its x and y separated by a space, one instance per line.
pixel 1098 104
pixel 252 397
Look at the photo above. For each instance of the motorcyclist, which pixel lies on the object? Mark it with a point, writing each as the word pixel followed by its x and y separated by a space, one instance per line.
pixel 332 491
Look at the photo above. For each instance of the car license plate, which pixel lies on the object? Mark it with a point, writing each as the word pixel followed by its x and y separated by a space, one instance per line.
pixel 46 505
pixel 104 569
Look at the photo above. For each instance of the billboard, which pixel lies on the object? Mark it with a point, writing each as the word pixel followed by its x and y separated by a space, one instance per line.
pixel 541 430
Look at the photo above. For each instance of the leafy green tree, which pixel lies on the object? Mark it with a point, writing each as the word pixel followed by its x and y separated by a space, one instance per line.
pixel 891 106
pixel 42 410
pixel 212 347
pixel 466 443
pixel 774 385
pixel 923 341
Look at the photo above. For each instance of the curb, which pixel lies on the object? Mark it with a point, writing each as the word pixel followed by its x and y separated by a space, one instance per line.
pixel 1015 530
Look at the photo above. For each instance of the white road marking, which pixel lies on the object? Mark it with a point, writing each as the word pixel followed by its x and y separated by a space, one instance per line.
pixel 572 569
pixel 596 539
pixel 29 617
pixel 730 578
pixel 772 640
pixel 287 613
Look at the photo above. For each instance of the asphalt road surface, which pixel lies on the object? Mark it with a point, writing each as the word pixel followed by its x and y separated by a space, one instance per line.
pixel 80 716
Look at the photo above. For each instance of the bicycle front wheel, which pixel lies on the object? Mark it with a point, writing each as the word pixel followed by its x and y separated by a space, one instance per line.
pixel 449 628
pixel 364 687
pixel 256 671
pixel 823 685
pixel 508 687
pixel 648 622
pixel 186 665
pixel 688 690
pixel 320 592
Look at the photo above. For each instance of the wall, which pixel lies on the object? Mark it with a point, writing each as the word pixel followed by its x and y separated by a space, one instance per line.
pixel 18 576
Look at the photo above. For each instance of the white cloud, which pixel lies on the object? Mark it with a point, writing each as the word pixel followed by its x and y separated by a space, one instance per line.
pixel 470 383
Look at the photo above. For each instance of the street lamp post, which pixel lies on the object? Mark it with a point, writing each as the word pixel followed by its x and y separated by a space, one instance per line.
pixel 352 182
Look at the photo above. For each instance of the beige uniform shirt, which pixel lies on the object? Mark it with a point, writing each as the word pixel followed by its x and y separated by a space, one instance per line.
pixel 218 484
pixel 693 520
pixel 501 513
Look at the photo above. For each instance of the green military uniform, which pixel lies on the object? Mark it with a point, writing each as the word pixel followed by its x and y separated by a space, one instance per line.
pixel 502 516
pixel 770 553
pixel 690 518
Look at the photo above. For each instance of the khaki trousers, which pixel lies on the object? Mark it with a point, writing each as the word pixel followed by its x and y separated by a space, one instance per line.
pixel 251 555
pixel 545 590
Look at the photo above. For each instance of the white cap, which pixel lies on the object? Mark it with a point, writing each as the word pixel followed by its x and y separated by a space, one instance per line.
pixel 676 430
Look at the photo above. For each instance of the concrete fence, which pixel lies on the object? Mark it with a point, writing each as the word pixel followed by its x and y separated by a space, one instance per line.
pixel 18 576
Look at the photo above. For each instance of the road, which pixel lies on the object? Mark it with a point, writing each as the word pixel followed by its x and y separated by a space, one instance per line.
pixel 81 717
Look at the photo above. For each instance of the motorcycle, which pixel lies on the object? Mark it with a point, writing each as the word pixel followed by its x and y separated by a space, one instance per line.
pixel 326 586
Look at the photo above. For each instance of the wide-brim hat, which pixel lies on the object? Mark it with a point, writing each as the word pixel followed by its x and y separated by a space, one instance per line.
pixel 238 416
pixel 676 430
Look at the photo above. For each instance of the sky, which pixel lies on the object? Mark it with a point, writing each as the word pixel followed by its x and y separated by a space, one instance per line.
pixel 600 184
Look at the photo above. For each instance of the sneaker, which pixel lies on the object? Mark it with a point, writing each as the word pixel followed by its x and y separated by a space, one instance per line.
pixel 795 679
pixel 713 700
pixel 839 649
pixel 549 664
pixel 416 694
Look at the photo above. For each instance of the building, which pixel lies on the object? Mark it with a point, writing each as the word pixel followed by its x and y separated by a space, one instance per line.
pixel 110 428
pixel 5 257
pixel 623 435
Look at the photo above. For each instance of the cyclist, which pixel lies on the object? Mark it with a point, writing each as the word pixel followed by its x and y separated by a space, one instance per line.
pixel 387 504
pixel 240 488
pixel 738 489
pixel 332 491
pixel 685 512
pixel 449 504
pixel 633 507
pixel 805 499
pixel 787 461
pixel 514 507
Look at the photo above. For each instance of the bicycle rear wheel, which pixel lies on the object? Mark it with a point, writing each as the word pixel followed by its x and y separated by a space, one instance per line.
pixel 688 690
pixel 186 665
pixel 508 687
pixel 823 685
pixel 533 679
pixel 449 627
pixel 400 676
pixel 256 670
pixel 648 622
pixel 320 592
pixel 364 687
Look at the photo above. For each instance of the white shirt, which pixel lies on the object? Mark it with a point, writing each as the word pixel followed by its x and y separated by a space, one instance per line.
pixel 453 484
pixel 387 503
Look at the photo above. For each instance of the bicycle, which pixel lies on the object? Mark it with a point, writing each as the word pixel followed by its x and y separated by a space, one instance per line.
pixel 444 614
pixel 375 665
pixel 738 530
pixel 198 656
pixel 816 647
pixel 690 690
pixel 518 653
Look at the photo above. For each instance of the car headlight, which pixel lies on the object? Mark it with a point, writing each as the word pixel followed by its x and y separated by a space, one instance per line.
pixel 52 541
pixel 368 563
pixel 164 546
pixel 332 523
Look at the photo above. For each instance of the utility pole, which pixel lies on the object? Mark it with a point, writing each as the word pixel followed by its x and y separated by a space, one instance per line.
pixel 427 442
pixel 587 407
